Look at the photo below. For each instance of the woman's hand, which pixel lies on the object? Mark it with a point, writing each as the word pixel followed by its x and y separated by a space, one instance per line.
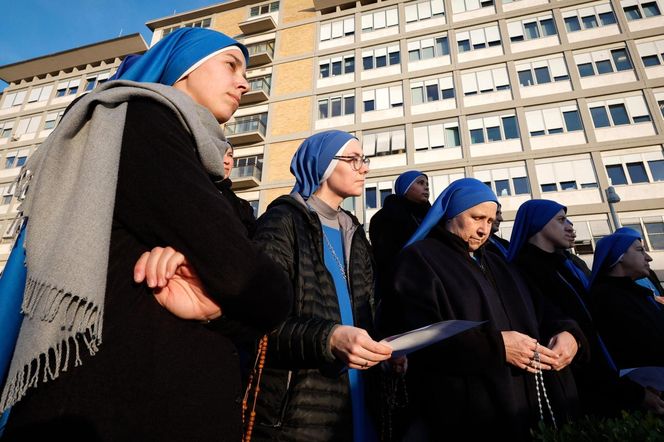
pixel 521 351
pixel 175 284
pixel 565 346
pixel 355 348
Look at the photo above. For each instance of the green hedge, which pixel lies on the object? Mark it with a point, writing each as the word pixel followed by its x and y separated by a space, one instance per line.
pixel 631 427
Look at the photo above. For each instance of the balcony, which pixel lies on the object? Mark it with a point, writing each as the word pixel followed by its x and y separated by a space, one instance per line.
pixel 259 90
pixel 260 53
pixel 246 176
pixel 255 25
pixel 246 130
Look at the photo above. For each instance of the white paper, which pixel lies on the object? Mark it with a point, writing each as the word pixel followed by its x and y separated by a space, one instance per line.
pixel 646 376
pixel 410 341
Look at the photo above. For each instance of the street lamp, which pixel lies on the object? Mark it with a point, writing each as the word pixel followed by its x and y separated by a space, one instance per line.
pixel 612 198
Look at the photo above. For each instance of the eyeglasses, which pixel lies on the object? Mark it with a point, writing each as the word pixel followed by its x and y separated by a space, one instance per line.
pixel 355 161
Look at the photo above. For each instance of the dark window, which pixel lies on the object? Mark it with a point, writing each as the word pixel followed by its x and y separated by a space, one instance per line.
pixel 572 120
pixel 493 43
pixel 414 55
pixel 521 185
pixel 637 172
pixel 632 13
pixel 479 46
pixel 322 109
pixel 503 188
pixel 556 130
pixel 336 107
pixel 561 77
pixel 370 197
pixel 621 59
pixel 336 68
pixel 369 105
pixel 20 161
pixel 464 45
pixel 650 9
pixel 427 53
pixel 616 174
pixel 493 134
pixel 537 133
pixel 381 61
pixel 604 67
pixel 589 185
pixel 548 27
pixel 349 105
pixel 568 185
pixel 641 118
pixel 607 18
pixel 526 78
pixel 549 187
pixel 432 92
pixel 367 63
pixel 452 137
pixel 324 70
pixel 517 38
pixel 510 127
pixel 442 47
pixel 394 58
pixel 657 169
pixel 531 31
pixel 542 75
pixel 618 114
pixel 600 117
pixel 572 24
pixel 586 69
pixel 349 65
pixel 476 136
pixel 656 234
pixel 650 60
pixel 384 193
pixel 589 22
pixel 447 93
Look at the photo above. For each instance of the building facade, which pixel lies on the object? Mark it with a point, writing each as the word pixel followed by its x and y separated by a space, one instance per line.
pixel 536 98
pixel 32 104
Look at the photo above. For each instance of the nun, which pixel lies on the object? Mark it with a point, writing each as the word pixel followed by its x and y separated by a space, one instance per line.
pixel 483 383
pixel 541 235
pixel 626 313
pixel 397 220
pixel 651 281
pixel 133 165
pixel 313 384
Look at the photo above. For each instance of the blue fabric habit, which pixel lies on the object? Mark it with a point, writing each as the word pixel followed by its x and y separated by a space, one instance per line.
pixel 173 55
pixel 313 157
pixel 643 282
pixel 362 428
pixel 405 180
pixel 531 217
pixel 609 250
pixel 458 197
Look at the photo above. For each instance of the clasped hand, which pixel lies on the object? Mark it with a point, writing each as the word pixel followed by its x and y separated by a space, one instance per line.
pixel 526 353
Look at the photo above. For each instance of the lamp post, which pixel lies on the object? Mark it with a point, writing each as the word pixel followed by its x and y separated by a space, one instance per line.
pixel 612 198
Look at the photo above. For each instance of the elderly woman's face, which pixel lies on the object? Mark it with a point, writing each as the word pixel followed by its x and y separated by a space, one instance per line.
pixel 218 84
pixel 345 181
pixel 635 261
pixel 474 225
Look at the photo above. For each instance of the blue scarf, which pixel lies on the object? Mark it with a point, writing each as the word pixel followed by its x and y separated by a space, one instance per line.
pixel 405 180
pixel 531 217
pixel 608 252
pixel 166 61
pixel 313 158
pixel 458 197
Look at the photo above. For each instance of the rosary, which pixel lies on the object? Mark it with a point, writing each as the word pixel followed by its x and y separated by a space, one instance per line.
pixel 539 384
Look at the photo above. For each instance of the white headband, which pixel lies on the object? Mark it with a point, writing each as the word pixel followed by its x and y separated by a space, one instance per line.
pixel 204 59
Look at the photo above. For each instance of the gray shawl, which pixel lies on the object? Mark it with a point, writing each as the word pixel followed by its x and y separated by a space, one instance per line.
pixel 69 207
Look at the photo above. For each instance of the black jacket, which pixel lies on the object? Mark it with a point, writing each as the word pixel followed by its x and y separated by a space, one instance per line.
pixel 241 207
pixel 601 390
pixel 304 393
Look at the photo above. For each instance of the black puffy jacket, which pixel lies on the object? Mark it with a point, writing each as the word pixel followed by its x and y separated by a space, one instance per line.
pixel 304 392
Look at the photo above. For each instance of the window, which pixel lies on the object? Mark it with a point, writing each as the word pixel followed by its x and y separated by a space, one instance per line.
pixel 376 58
pixel 602 62
pixel 67 88
pixel 53 119
pixel 382 98
pixel 424 10
pixel 633 168
pixel 616 174
pixel 248 123
pixel 385 18
pixel 629 110
pixel 531 28
pixel 28 125
pixel 14 99
pixel 263 9
pixel 436 135
pixel 332 67
pixel 490 80
pixel 490 129
pixel 657 169
pixel 382 142
pixel 566 174
pixel 370 198
pixel 39 94
pixel 428 48
pixel 589 17
pixel 247 166
pixel 553 121
pixel 652 53
pixel 6 128
pixel 478 38
pixel 637 172
pixel 94 81
pixel 636 10
pixel 505 181
pixel 434 89
pixel 655 230
pixel 336 29
pixel 205 23
pixel 542 71
pixel 336 106
pixel 459 6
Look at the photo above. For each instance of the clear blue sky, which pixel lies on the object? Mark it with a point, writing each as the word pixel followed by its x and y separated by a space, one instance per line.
pixel 32 28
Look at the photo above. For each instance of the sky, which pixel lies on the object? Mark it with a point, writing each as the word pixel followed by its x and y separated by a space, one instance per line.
pixel 32 28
